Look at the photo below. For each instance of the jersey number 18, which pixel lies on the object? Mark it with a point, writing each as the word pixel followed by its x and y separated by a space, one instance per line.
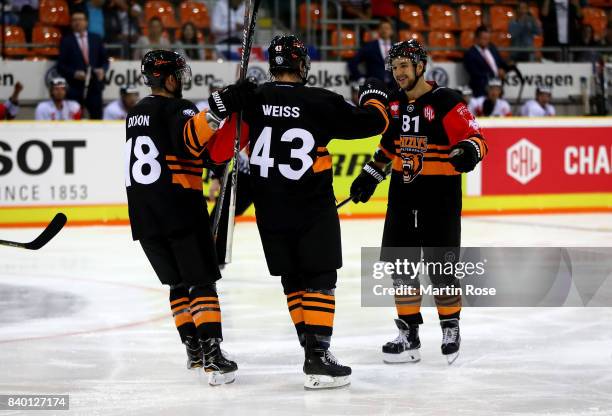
pixel 148 159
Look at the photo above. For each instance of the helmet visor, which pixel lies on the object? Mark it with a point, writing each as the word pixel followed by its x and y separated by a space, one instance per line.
pixel 184 75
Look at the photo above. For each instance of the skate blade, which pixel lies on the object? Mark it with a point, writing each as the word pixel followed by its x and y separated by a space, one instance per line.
pixel 194 367
pixel 450 358
pixel 409 356
pixel 216 378
pixel 317 382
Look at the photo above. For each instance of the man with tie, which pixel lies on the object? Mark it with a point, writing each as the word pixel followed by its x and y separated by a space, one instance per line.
pixel 83 62
pixel 483 62
pixel 372 55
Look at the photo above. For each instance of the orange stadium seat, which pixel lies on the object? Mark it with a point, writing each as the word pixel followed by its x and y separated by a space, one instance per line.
pixel 413 16
pixel 500 18
pixel 502 40
pixel 439 39
pixel 470 17
pixel 538 42
pixel 600 3
pixel 597 19
pixel 47 35
pixel 347 39
pixel 441 17
pixel 509 2
pixel 54 13
pixel 466 40
pixel 15 35
pixel 409 34
pixel 315 15
pixel 162 10
pixel 194 12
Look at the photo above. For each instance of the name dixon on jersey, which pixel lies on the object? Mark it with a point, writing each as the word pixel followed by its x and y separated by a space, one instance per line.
pixel 138 121
pixel 281 111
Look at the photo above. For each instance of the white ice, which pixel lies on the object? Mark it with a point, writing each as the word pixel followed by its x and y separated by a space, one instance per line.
pixel 86 316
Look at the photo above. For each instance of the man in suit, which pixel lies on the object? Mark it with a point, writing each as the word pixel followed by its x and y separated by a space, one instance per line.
pixel 83 62
pixel 372 55
pixel 483 62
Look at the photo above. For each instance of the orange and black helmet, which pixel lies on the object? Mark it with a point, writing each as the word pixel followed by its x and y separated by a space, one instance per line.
pixel 159 64
pixel 286 53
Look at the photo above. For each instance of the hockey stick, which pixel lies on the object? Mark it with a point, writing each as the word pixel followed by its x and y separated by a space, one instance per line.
pixel 54 227
pixel 250 19
pixel 344 202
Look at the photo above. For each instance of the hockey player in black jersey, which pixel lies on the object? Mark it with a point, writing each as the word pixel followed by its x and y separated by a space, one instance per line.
pixel 165 140
pixel 432 138
pixel 288 126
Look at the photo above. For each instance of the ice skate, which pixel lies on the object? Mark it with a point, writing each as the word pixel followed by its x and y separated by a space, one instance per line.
pixel 217 368
pixel 451 339
pixel 194 354
pixel 322 369
pixel 404 348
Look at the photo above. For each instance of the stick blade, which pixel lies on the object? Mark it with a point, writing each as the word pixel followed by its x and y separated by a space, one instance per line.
pixel 54 227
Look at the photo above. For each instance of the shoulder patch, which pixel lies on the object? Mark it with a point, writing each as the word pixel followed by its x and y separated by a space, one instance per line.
pixel 189 112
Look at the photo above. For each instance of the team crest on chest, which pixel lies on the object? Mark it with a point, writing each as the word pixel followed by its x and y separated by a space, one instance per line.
pixel 411 150
pixel 429 113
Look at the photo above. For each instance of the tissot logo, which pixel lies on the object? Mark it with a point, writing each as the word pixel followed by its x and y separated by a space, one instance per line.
pixel 35 157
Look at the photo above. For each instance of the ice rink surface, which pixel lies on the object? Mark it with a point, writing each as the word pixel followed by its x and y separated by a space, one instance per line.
pixel 86 316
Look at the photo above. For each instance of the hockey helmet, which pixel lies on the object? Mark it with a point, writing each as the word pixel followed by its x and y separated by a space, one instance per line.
pixel 410 49
pixel 158 64
pixel 57 82
pixel 128 89
pixel 286 53
pixel 543 89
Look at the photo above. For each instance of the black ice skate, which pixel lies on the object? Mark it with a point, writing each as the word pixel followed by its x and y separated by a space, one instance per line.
pixel 404 348
pixel 218 368
pixel 451 339
pixel 322 369
pixel 194 353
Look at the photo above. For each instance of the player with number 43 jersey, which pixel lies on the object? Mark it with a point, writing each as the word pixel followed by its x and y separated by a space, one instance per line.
pixel 288 126
pixel 166 143
pixel 432 139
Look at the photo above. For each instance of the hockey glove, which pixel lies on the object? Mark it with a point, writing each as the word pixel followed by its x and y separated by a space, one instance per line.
pixel 231 99
pixel 365 184
pixel 464 156
pixel 373 89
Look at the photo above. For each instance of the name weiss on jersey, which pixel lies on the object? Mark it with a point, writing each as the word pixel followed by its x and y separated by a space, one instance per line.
pixel 281 111
pixel 138 121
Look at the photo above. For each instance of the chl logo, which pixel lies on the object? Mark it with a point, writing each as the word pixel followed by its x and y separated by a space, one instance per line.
pixel 429 113
pixel 523 161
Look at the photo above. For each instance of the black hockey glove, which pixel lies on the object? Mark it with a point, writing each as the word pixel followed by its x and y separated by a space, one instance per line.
pixel 365 184
pixel 373 89
pixel 231 99
pixel 465 155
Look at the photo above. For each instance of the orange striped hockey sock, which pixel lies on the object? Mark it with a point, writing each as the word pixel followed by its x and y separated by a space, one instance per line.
pixel 206 311
pixel 179 303
pixel 409 308
pixel 319 307
pixel 449 307
pixel 294 304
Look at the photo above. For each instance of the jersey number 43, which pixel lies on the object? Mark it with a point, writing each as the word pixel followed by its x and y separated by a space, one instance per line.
pixel 146 169
pixel 260 155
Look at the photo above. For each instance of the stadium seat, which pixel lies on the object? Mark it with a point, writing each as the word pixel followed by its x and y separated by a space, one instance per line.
pixel 47 35
pixel 15 35
pixel 538 42
pixel 53 13
pixel 439 39
pixel 509 2
pixel 500 18
pixel 162 10
pixel 470 17
pixel 600 3
pixel 347 38
pixel 413 16
pixel 466 40
pixel 315 15
pixel 441 17
pixel 597 19
pixel 194 12
pixel 409 34
pixel 502 40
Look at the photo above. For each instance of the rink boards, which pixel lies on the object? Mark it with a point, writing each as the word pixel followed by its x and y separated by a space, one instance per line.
pixel 533 166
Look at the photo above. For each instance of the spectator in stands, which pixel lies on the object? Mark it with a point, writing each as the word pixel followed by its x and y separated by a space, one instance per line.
pixel 58 107
pixel 587 41
pixel 522 30
pixel 27 12
pixel 83 62
pixel 129 27
pixel 118 109
pixel 383 9
pixel 95 15
pixel 372 56
pixel 215 85
pixel 466 94
pixel 155 39
pixel 561 24
pixel 356 9
pixel 189 37
pixel 540 107
pixel 483 62
pixel 227 23
pixel 491 105
pixel 10 108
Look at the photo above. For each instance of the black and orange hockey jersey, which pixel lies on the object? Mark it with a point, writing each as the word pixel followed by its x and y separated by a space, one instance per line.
pixel 165 138
pixel 418 143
